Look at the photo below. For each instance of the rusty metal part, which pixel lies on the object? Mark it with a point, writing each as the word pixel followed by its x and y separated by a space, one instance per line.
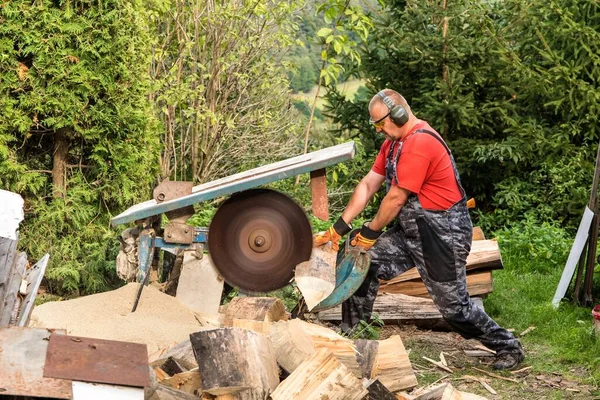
pixel 178 233
pixel 97 360
pixel 318 188
pixel 169 190
pixel 257 237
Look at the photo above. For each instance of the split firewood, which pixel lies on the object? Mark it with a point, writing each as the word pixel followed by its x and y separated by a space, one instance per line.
pixel 182 351
pixel 296 340
pixel 391 365
pixel 377 390
pixel 188 382
pixel 496 376
pixel 233 359
pixel 438 364
pixel 444 391
pixel 526 331
pixel 268 309
pixel 315 278
pixel 321 376
pixel 168 393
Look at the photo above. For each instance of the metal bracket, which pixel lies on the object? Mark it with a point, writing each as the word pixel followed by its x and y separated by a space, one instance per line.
pixel 176 232
pixel 169 190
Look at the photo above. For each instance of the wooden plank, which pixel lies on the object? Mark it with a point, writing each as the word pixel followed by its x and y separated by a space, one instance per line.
pixel 232 359
pixel 322 376
pixel 200 286
pixel 12 289
pixel 97 360
pixel 478 283
pixel 478 233
pixel 318 189
pixel 8 252
pixel 242 181
pixel 22 365
pixel 396 308
pixel 34 276
pixel 485 254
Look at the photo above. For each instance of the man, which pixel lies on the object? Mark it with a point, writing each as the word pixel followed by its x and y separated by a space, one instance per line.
pixel 433 230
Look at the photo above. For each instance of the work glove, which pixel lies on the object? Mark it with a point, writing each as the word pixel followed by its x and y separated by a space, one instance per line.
pixel 333 234
pixel 366 238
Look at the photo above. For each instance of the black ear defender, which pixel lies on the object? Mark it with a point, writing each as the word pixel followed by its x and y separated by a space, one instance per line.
pixel 398 114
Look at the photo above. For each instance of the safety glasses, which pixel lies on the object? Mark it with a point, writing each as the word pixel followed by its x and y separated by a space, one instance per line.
pixel 380 122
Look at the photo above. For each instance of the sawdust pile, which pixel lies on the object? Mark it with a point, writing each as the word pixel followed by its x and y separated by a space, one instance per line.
pixel 160 320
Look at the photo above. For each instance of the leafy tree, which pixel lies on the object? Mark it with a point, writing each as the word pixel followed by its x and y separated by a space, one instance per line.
pixel 221 86
pixel 77 137
pixel 506 85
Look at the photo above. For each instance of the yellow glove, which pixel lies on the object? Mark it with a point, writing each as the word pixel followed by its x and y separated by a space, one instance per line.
pixel 366 238
pixel 333 234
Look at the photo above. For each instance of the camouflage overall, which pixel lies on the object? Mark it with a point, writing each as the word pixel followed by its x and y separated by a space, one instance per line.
pixel 437 243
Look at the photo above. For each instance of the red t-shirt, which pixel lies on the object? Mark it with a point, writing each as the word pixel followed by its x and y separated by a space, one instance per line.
pixel 424 168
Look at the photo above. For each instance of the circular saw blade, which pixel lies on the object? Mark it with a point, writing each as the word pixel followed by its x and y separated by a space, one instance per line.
pixel 256 239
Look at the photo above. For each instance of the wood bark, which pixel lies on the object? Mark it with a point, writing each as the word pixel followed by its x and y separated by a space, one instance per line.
pixel 268 309
pixel 59 163
pixel 322 376
pixel 232 359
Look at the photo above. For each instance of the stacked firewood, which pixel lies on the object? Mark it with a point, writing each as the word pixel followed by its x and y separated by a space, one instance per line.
pixel 260 354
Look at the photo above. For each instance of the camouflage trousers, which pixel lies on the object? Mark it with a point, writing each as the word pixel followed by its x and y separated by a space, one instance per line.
pixel 437 243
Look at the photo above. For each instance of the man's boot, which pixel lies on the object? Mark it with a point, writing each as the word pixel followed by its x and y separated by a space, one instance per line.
pixel 508 360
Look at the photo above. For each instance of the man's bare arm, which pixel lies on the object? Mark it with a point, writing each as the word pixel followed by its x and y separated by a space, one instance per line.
pixel 391 205
pixel 363 192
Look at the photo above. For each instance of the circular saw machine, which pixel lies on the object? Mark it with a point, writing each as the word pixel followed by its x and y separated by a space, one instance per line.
pixel 256 238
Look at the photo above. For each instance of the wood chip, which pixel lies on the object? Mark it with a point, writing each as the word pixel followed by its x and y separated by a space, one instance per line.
pixel 482 381
pixel 521 370
pixel 496 376
pixel 443 359
pixel 438 364
pixel 482 347
pixel 526 331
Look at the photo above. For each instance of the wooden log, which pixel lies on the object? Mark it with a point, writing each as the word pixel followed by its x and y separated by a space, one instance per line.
pixel 397 308
pixel 392 366
pixel 233 359
pixel 322 376
pixel 182 351
pixel 484 255
pixel 478 283
pixel 296 340
pixel 444 391
pixel 315 278
pixel 268 309
pixel 377 391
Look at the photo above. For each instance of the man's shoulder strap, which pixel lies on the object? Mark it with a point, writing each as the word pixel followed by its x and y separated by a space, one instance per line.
pixel 439 139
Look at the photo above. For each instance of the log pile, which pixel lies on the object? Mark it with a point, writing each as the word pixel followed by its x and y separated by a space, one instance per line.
pixel 483 258
pixel 259 354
